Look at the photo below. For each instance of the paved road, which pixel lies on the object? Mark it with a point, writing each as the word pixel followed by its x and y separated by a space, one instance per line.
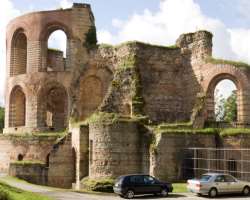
pixel 58 194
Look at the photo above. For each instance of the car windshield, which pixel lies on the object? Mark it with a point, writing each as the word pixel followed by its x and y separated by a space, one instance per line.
pixel 205 177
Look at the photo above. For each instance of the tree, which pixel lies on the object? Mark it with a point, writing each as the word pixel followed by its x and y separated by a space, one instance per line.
pixel 230 108
pixel 1 118
pixel 226 109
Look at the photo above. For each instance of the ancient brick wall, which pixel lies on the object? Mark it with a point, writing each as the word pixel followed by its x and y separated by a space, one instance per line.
pixel 115 149
pixel 168 157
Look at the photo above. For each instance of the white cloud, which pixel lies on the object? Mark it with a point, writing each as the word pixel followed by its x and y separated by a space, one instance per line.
pixel 58 40
pixel 7 12
pixel 66 4
pixel 240 42
pixel 173 18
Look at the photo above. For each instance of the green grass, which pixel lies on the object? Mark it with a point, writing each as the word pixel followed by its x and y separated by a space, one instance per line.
pixel 229 62
pixel 234 131
pixel 8 192
pixel 180 187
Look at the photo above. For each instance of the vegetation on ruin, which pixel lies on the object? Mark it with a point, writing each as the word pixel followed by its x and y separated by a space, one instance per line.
pixel 1 119
pixel 98 185
pixel 8 192
pixel 234 131
pixel 90 38
pixel 54 49
pixel 28 162
pixel 228 62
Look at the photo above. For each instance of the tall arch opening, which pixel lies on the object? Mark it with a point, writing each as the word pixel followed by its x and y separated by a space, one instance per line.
pixel 18 53
pixel 56 51
pixel 53 108
pixel 17 107
pixel 91 95
pixel 225 98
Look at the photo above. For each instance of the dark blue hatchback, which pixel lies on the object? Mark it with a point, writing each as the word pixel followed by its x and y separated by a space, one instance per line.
pixel 128 186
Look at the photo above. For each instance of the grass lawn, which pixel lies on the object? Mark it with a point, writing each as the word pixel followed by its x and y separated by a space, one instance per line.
pixel 11 193
pixel 180 187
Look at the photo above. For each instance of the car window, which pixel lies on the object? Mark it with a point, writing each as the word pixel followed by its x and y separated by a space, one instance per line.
pixel 148 180
pixel 119 179
pixel 220 178
pixel 205 177
pixel 137 179
pixel 229 179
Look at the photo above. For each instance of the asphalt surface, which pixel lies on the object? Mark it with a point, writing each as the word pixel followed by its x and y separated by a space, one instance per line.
pixel 58 194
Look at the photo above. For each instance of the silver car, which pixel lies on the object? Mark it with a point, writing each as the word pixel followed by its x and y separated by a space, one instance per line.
pixel 212 184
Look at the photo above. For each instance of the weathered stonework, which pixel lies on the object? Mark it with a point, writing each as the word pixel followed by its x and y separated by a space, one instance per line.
pixel 133 87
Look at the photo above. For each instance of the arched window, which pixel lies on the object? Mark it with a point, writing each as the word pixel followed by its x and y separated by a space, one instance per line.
pixel 20 157
pixel 57 51
pixel 17 107
pixel 18 54
pixel 225 99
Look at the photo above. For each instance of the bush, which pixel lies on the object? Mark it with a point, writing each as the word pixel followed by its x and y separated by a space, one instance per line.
pixel 99 185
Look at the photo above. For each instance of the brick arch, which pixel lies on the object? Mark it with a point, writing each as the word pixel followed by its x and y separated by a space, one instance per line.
pixel 222 73
pixel 53 106
pixel 91 95
pixel 55 60
pixel 17 107
pixel 54 26
pixel 18 53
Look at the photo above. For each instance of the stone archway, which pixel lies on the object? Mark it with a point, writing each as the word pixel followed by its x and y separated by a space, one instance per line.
pixel 17 107
pixel 18 53
pixel 210 99
pixel 53 107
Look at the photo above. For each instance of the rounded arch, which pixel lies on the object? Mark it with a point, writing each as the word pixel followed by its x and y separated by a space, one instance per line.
pixel 56 59
pixel 53 106
pixel 210 98
pixel 91 95
pixel 54 26
pixel 18 54
pixel 17 107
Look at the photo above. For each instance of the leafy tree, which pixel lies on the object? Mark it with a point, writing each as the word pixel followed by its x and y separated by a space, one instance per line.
pixel 230 107
pixel 226 109
pixel 1 118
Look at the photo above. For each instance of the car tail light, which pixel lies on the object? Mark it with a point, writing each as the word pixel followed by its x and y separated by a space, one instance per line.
pixel 198 185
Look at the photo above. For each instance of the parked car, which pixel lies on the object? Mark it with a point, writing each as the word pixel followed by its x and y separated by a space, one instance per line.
pixel 213 184
pixel 128 186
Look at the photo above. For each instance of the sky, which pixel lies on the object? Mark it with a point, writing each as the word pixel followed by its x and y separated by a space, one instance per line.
pixel 152 21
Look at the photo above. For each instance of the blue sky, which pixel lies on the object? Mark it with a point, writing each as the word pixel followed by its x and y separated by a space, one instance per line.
pixel 154 21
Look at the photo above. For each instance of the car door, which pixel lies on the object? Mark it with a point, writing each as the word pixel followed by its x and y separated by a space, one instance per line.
pixel 220 184
pixel 234 186
pixel 137 184
pixel 151 186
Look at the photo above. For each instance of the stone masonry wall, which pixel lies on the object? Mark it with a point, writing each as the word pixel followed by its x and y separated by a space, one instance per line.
pixel 167 157
pixel 30 148
pixel 115 149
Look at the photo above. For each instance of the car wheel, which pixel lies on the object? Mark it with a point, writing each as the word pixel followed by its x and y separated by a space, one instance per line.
pixel 212 193
pixel 246 191
pixel 130 194
pixel 164 192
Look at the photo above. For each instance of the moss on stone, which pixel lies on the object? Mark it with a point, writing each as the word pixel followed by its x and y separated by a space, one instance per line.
pixel 228 62
pixel 234 132
pixel 28 162
pixel 98 185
